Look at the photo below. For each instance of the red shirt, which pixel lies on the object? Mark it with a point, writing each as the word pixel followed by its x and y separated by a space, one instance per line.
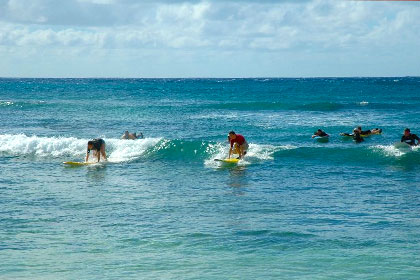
pixel 239 139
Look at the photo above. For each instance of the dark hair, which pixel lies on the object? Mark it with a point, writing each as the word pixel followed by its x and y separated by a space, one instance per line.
pixel 359 127
pixel 319 130
pixel 90 142
pixel 407 129
pixel 232 132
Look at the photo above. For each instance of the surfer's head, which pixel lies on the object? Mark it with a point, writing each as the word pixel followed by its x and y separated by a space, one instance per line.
pixel 232 135
pixel 90 145
pixel 407 131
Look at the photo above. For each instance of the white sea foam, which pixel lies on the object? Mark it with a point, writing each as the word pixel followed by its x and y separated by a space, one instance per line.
pixel 6 103
pixel 21 144
pixel 128 150
pixel 255 153
pixel 391 150
pixel 71 148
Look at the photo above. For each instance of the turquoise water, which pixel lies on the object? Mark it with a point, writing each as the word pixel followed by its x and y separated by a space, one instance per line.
pixel 162 208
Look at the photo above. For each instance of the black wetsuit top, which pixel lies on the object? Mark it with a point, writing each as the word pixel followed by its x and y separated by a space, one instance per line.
pixel 410 140
pixel 97 143
pixel 323 134
pixel 358 138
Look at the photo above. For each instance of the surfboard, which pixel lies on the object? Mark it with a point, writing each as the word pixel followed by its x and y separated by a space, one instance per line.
pixel 78 163
pixel 361 135
pixel 228 160
pixel 321 139
pixel 402 146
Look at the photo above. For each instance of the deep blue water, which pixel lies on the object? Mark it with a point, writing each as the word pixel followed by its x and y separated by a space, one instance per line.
pixel 162 208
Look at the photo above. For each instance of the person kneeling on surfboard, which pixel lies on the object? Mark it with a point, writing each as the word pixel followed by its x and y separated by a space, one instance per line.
pixel 238 144
pixel 410 138
pixel 320 133
pixel 99 146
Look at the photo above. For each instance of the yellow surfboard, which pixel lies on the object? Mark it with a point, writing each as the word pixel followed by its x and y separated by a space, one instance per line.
pixel 228 160
pixel 77 163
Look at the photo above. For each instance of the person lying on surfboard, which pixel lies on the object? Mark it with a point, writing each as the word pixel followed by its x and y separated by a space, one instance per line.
pixel 131 136
pixel 99 146
pixel 369 132
pixel 376 131
pixel 320 133
pixel 238 144
pixel 138 136
pixel 410 138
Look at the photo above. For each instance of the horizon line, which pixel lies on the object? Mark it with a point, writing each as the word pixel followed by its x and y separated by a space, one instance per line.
pixel 249 77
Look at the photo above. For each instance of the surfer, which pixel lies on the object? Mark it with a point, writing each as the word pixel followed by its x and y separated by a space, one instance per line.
pixel 126 135
pixel 138 136
pixel 410 138
pixel 356 135
pixel 99 146
pixel 238 144
pixel 131 136
pixel 376 131
pixel 369 132
pixel 320 133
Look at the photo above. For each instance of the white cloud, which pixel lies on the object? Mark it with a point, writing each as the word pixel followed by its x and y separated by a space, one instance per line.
pixel 206 24
pixel 199 28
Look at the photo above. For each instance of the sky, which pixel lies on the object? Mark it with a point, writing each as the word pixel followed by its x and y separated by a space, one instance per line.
pixel 219 38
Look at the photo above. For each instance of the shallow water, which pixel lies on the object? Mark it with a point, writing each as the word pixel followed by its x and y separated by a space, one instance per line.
pixel 162 208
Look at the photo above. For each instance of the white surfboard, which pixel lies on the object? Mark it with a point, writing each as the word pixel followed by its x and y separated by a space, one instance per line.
pixel 402 146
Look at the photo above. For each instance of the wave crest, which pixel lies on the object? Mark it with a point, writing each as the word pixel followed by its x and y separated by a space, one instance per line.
pixel 71 147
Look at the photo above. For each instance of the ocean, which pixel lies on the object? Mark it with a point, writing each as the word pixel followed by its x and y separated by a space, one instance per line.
pixel 162 208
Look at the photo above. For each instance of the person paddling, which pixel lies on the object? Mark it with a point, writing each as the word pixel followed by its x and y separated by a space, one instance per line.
pixel 355 135
pixel 99 146
pixel 369 131
pixel 131 136
pixel 238 144
pixel 320 133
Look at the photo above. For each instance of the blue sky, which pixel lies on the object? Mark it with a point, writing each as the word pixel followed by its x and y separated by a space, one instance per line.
pixel 162 38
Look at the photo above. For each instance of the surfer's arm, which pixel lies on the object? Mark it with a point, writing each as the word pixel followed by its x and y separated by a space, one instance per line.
pixel 230 152
pixel 418 140
pixel 87 157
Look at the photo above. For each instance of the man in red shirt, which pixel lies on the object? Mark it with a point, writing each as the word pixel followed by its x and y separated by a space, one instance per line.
pixel 238 144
